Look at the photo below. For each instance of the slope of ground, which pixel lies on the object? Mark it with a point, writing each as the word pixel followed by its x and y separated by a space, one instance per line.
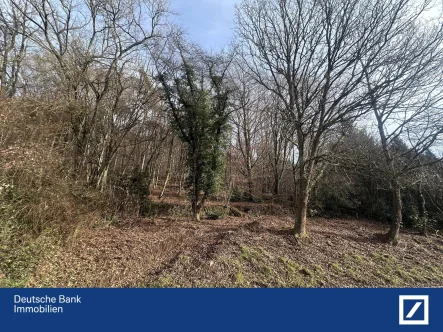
pixel 241 252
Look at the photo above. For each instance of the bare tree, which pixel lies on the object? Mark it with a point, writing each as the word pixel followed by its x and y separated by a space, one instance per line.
pixel 276 137
pixel 97 50
pixel 405 88
pixel 13 45
pixel 248 121
pixel 313 56
pixel 168 167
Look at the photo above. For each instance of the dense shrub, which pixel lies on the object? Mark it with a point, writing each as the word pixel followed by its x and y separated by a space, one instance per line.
pixel 353 185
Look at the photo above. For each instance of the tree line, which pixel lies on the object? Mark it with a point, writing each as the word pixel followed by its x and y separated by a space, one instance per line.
pixel 333 107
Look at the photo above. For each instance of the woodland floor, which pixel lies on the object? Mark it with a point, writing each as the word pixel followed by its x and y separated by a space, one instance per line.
pixel 247 251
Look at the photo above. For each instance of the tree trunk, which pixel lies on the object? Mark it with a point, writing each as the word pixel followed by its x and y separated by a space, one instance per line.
pixel 165 184
pixel 3 74
pixel 181 171
pixel 394 231
pixel 195 210
pixel 197 207
pixel 180 183
pixel 276 188
pixel 153 179
pixel 423 213
pixel 103 178
pixel 294 176
pixel 250 184
pixel 200 206
pixel 195 192
pixel 168 171
pixel 301 208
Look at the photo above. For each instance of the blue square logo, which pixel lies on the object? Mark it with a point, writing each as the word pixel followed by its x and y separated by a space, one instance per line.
pixel 414 310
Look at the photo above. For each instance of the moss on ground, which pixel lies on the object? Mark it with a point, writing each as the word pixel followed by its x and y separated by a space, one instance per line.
pixel 256 266
pixel 239 279
pixel 165 281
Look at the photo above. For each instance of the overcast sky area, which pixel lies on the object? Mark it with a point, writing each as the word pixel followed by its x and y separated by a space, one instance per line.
pixel 209 23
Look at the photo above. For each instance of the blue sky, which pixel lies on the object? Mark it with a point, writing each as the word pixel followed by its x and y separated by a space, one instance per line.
pixel 208 22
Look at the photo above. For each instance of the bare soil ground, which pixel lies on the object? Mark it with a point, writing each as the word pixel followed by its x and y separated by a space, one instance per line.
pixel 249 251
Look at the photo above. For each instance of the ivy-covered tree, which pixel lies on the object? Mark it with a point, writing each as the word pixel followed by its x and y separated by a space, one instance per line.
pixel 197 97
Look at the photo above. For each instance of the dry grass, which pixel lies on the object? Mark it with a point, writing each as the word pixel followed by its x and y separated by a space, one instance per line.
pixel 241 252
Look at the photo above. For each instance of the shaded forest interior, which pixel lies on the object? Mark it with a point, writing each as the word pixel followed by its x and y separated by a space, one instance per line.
pixel 305 154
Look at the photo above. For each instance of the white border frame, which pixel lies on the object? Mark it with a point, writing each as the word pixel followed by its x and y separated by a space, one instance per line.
pixel 425 299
